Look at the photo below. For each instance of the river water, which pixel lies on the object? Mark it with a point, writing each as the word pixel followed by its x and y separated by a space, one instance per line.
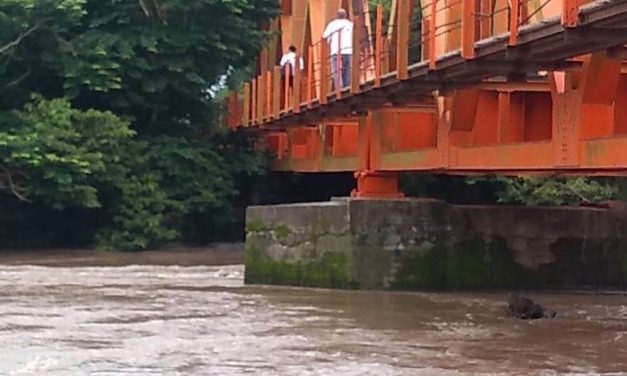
pixel 202 320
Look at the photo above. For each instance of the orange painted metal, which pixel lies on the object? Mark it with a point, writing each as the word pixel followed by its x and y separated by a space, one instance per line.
pixel 600 77
pixel 356 58
pixel 324 72
pixel 424 38
pixel 341 139
pixel 339 84
pixel 514 19
pixel 260 98
pixel 310 76
pixel 570 13
pixel 572 121
pixel 432 28
pixel 485 21
pixel 538 117
pixel 511 121
pixel 620 106
pixel 268 94
pixel 253 101
pixel 286 87
pixel 297 88
pixel 375 142
pixel 498 129
pixel 277 143
pixel 468 28
pixel 246 105
pixel 376 184
pixel 402 39
pixel 276 92
pixel 365 143
pixel 378 46
pixel 385 66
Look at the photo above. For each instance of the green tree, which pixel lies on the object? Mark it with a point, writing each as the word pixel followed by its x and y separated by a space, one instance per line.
pixel 150 60
pixel 556 191
pixel 57 155
pixel 127 130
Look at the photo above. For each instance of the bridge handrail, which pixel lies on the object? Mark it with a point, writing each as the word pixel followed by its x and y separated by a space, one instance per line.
pixel 266 97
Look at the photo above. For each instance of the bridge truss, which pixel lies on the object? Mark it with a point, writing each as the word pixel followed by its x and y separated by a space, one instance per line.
pixel 464 87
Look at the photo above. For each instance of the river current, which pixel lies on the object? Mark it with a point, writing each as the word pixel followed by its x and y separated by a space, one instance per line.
pixel 202 320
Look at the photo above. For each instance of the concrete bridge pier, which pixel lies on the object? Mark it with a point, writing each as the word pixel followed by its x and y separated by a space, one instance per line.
pixel 354 243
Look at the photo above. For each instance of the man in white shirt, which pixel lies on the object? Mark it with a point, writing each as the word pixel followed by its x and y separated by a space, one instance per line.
pixel 339 35
pixel 290 58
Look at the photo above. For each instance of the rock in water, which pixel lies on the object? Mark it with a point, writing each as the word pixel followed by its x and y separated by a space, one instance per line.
pixel 524 308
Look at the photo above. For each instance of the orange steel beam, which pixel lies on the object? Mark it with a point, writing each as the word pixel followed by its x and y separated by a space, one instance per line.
pixel 570 13
pixel 253 101
pixel 356 58
pixel 485 23
pixel 269 81
pixel 432 29
pixel 246 105
pixel 276 92
pixel 444 35
pixel 378 46
pixel 572 120
pixel 296 89
pixel 260 98
pixel 495 129
pixel 324 73
pixel 310 75
pixel 514 19
pixel 402 39
pixel 468 28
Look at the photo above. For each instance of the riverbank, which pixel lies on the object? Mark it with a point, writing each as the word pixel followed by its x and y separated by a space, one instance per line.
pixel 216 254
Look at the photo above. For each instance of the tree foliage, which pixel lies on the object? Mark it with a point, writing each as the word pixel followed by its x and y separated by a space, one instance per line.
pixel 555 191
pixel 57 155
pixel 105 107
pixel 152 60
pixel 549 191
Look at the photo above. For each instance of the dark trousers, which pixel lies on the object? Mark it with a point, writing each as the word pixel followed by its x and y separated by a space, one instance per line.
pixel 345 74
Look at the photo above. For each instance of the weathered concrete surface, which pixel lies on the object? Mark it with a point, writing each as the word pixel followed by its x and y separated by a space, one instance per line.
pixel 428 244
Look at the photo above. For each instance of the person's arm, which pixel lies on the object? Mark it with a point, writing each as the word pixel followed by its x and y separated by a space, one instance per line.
pixel 328 31
pixel 283 60
pixel 302 63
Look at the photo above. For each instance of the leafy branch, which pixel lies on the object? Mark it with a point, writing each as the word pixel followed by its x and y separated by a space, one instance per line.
pixel 18 40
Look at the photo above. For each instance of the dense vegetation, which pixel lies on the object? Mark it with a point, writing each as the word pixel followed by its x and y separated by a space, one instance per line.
pixel 108 130
pixel 534 191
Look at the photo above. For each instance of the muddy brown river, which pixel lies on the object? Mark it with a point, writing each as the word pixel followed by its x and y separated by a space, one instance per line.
pixel 137 316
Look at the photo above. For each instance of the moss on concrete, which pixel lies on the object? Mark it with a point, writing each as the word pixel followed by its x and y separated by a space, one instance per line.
pixel 421 268
pixel 431 246
pixel 281 231
pixel 331 270
pixel 255 225
pixel 471 264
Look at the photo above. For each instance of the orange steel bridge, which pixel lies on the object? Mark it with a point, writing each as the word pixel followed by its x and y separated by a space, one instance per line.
pixel 465 87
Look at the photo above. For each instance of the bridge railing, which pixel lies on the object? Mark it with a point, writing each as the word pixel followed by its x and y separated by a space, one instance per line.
pixel 384 54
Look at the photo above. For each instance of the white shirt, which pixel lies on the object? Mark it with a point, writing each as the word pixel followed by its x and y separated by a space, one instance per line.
pixel 339 31
pixel 290 57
